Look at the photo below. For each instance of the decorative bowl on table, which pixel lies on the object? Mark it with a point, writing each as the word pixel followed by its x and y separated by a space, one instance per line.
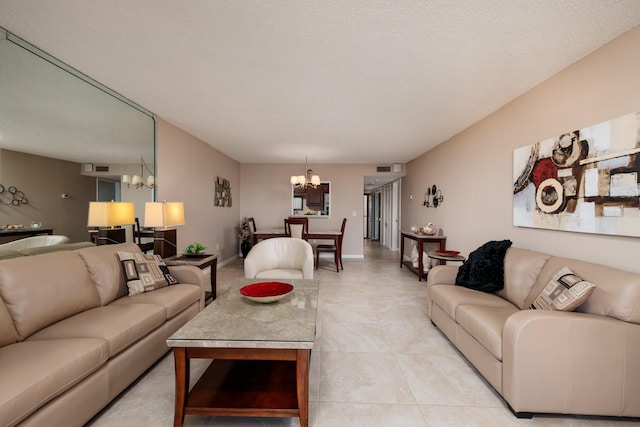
pixel 447 253
pixel 266 292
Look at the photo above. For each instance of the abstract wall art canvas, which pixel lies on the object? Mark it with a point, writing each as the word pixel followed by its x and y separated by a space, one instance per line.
pixel 585 180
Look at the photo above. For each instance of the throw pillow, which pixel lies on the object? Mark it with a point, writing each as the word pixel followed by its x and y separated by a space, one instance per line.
pixel 144 272
pixel 484 269
pixel 564 292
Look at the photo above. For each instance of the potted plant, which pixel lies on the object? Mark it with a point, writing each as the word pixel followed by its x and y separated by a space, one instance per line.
pixel 244 234
pixel 194 249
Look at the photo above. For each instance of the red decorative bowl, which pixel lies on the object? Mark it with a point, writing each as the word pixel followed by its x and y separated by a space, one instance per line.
pixel 265 292
pixel 447 253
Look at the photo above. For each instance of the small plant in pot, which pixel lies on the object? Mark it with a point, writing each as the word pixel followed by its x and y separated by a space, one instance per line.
pixel 194 249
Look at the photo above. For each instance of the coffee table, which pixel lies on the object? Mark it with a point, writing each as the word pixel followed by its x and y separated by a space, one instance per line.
pixel 261 353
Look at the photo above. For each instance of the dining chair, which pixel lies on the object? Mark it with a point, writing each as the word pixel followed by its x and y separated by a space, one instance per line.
pixel 296 227
pixel 253 224
pixel 146 246
pixel 336 249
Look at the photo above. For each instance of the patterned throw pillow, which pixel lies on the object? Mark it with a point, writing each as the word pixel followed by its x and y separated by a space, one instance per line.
pixel 565 292
pixel 144 272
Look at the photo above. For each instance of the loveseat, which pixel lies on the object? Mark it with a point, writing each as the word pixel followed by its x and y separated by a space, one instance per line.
pixel 585 361
pixel 71 337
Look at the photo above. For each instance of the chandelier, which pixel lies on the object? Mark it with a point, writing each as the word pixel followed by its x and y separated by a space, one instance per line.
pixel 138 181
pixel 307 180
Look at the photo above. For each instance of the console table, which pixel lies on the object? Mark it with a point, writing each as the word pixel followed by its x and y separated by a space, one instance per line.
pixel 420 239
pixel 202 262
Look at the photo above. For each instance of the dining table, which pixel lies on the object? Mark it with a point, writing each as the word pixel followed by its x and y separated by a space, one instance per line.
pixel 270 233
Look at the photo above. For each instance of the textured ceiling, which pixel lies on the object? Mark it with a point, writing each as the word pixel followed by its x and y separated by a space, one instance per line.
pixel 357 81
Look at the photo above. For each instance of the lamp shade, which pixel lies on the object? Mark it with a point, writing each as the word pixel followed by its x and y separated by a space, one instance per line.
pixel 109 214
pixel 165 214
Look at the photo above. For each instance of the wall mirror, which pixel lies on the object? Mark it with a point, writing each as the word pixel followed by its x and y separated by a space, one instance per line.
pixel 311 202
pixel 53 117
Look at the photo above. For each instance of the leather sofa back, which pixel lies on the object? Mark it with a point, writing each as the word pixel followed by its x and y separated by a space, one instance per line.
pixel 521 269
pixel 105 269
pixel 617 292
pixel 42 289
pixel 8 333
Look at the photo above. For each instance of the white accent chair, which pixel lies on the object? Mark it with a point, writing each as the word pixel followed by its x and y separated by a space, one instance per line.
pixel 280 258
pixel 35 242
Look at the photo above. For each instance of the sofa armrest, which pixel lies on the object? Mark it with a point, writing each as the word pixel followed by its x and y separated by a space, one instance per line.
pixel 440 275
pixel 191 275
pixel 571 363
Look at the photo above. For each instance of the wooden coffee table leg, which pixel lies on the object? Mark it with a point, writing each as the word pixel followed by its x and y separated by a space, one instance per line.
pixel 182 384
pixel 302 381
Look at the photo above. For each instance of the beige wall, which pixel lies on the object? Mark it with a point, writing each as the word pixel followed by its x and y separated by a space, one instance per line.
pixel 43 181
pixel 474 168
pixel 266 196
pixel 186 171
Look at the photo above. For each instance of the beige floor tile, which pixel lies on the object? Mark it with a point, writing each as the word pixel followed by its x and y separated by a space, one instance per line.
pixel 362 377
pixel 369 415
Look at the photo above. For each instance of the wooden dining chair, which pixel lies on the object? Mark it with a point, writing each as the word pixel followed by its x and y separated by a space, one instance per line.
pixel 336 249
pixel 253 224
pixel 296 227
pixel 146 246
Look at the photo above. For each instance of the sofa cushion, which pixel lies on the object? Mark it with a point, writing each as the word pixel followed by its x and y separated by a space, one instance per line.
pixel 564 292
pixel 105 269
pixel 484 269
pixel 118 325
pixel 174 298
pixel 34 372
pixel 42 289
pixel 449 298
pixel 521 270
pixel 144 272
pixel 617 292
pixel 485 324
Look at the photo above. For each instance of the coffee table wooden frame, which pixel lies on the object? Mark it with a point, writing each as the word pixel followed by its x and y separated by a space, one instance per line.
pixel 262 382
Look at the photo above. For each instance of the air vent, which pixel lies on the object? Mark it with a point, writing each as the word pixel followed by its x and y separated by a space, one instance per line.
pixel 102 168
pixel 383 169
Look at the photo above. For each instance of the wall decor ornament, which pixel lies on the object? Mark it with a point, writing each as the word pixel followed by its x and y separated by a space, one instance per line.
pixel 223 193
pixel 586 180
pixel 12 196
pixel 433 197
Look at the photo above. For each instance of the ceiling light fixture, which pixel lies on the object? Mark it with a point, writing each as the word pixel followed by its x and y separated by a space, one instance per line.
pixel 138 181
pixel 307 180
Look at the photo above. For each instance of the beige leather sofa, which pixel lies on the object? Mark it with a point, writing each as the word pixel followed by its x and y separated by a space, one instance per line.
pixel 71 339
pixel 541 361
pixel 280 258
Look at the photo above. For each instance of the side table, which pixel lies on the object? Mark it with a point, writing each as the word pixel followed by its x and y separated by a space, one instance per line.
pixel 202 262
pixel 444 258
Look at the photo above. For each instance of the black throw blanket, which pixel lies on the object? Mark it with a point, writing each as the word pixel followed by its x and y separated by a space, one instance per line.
pixel 484 270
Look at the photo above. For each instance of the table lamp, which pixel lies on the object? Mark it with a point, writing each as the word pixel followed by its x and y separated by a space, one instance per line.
pixel 161 216
pixel 110 214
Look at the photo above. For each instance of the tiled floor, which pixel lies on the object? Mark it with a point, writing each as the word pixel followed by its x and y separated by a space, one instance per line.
pixel 378 361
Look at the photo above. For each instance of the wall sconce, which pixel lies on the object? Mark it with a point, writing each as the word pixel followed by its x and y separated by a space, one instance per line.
pixel 433 197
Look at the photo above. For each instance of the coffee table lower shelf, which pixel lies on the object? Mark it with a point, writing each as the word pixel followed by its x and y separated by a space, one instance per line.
pixel 248 387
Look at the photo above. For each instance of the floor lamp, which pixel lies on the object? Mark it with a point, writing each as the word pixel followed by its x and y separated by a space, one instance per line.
pixel 110 214
pixel 161 216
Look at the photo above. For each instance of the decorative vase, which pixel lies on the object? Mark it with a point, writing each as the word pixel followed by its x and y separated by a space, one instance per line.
pixel 245 247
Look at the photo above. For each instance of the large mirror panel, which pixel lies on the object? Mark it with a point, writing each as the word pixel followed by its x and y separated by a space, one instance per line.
pixel 61 133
